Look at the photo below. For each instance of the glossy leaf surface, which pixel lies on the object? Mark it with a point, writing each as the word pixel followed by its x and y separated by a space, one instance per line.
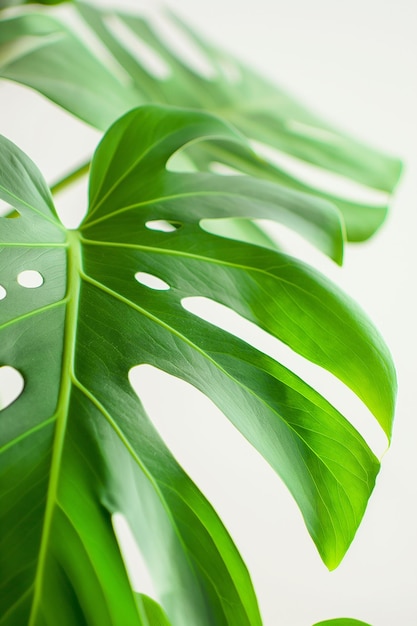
pixel 62 68
pixel 77 445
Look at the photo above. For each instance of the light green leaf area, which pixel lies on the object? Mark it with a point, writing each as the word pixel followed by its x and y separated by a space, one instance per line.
pixel 77 445
pixel 342 621
pixel 146 68
pixel 37 50
pixel 155 615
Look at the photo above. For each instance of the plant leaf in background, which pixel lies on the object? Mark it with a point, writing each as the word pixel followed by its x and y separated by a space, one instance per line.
pixel 43 54
pixel 77 445
pixel 59 66
pixel 6 4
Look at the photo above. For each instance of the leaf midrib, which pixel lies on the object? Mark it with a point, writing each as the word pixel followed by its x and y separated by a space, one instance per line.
pixel 96 204
pixel 72 296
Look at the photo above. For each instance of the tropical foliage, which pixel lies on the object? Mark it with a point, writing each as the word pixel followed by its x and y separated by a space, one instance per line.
pixel 78 449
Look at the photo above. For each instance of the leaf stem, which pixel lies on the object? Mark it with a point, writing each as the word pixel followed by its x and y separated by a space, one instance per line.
pixel 71 177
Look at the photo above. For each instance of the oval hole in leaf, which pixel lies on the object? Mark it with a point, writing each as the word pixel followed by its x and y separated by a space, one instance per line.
pixel 147 57
pixel 11 385
pixel 163 226
pixel 135 564
pixel 224 170
pixel 318 178
pixel 151 281
pixel 31 279
pixel 325 383
pixel 3 292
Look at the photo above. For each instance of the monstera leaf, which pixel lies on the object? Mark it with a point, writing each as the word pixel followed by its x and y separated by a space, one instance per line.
pixel 77 445
pixel 41 52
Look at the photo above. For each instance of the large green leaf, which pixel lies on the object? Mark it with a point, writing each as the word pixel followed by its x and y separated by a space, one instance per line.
pixel 77 446
pixel 60 67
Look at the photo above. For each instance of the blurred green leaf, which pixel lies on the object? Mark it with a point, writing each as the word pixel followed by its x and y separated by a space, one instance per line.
pixel 59 66
pixel 38 51
pixel 13 3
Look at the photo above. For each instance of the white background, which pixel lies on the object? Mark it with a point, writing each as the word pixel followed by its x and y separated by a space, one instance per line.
pixel 355 63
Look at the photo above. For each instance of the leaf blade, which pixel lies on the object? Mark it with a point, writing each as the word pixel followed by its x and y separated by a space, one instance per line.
pixel 98 453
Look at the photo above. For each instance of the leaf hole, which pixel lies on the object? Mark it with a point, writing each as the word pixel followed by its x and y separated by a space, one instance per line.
pixel 98 49
pixel 144 54
pixel 201 438
pixel 151 281
pixel 135 564
pixel 30 279
pixel 164 226
pixel 180 162
pixel 7 211
pixel 224 170
pixel 323 381
pixel 183 46
pixel 73 196
pixel 3 292
pixel 11 385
